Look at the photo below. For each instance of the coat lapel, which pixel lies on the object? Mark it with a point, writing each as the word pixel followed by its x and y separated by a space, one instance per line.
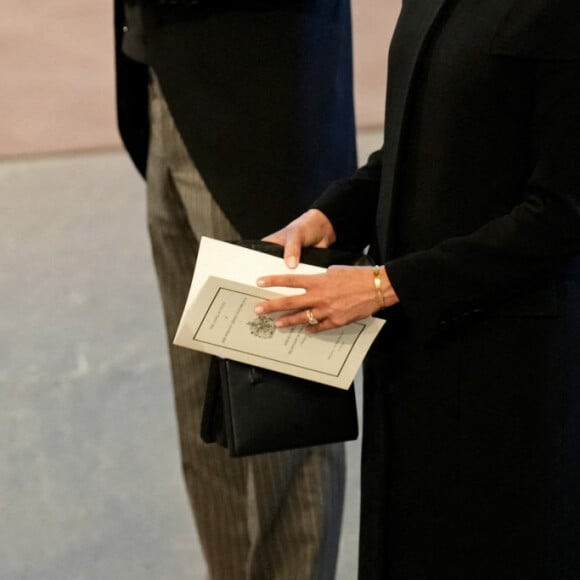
pixel 415 21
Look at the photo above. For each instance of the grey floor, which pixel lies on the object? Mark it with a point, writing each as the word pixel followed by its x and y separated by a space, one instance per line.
pixel 90 486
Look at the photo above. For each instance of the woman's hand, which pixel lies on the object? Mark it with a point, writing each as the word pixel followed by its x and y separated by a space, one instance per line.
pixel 312 228
pixel 338 297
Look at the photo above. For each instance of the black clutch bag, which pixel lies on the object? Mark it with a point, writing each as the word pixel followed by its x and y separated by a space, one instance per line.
pixel 250 410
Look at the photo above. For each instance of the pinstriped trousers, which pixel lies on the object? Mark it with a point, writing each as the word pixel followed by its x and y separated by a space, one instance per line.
pixel 269 517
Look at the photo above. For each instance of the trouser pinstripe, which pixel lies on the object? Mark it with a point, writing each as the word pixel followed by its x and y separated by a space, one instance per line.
pixel 270 517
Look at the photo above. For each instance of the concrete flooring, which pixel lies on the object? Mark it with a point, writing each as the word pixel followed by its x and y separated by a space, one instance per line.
pixel 90 483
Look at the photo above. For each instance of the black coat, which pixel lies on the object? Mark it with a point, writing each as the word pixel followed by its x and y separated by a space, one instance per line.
pixel 262 97
pixel 471 454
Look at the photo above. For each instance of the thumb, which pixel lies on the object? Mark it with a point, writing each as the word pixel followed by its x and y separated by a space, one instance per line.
pixel 292 250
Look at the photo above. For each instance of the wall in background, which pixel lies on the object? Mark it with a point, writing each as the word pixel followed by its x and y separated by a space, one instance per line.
pixel 373 24
pixel 57 90
pixel 56 58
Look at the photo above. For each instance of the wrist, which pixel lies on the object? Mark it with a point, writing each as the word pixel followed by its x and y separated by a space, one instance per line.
pixel 324 226
pixel 384 292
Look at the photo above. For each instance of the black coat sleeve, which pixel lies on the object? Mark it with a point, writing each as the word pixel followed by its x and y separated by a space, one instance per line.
pixel 132 101
pixel 351 204
pixel 517 251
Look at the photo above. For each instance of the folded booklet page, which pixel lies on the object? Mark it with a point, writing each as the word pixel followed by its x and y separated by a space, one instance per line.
pixel 219 319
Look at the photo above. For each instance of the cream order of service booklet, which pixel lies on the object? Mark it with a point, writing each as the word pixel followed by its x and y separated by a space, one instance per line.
pixel 219 319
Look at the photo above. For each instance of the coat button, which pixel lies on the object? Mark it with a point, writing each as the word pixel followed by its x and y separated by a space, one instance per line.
pixel 125 28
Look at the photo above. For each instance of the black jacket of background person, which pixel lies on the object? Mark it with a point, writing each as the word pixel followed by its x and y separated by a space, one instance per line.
pixel 471 455
pixel 261 93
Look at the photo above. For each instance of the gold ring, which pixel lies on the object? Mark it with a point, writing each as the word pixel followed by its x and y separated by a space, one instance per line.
pixel 311 320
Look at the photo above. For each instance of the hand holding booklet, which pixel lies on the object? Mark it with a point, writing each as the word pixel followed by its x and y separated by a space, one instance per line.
pixel 219 319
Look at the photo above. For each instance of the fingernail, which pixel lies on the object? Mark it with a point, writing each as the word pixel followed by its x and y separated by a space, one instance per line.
pixel 258 310
pixel 261 282
pixel 292 262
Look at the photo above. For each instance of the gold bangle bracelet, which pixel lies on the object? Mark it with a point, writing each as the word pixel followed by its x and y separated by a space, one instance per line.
pixel 378 288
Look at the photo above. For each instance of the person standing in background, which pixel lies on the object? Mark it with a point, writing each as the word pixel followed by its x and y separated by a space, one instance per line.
pixel 239 115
